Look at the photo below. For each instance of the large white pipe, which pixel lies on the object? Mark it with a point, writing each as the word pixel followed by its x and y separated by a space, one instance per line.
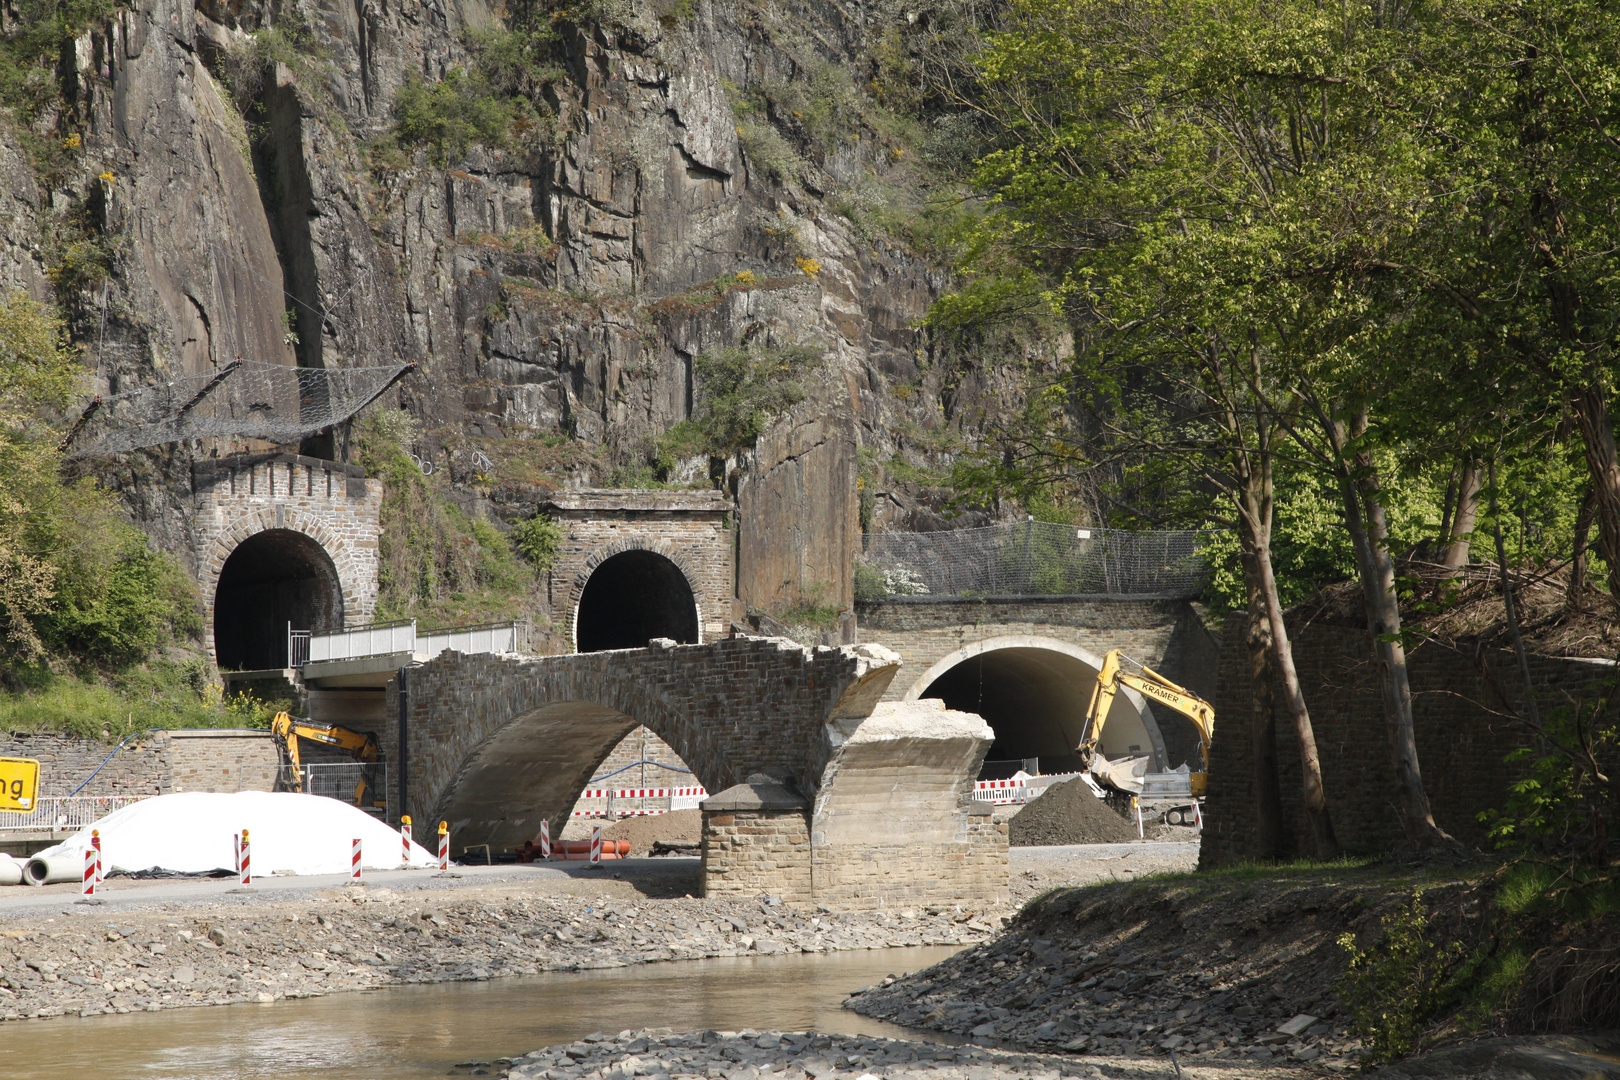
pixel 11 871
pixel 49 871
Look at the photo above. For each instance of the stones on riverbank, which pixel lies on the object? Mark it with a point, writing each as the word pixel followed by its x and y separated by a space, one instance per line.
pixel 1228 971
pixel 660 1054
pixel 359 938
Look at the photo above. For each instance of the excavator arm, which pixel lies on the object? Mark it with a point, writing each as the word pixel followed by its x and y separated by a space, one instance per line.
pixel 361 745
pixel 1155 687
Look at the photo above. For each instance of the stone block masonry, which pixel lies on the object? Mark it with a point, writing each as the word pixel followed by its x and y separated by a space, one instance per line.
pixel 686 527
pixel 874 797
pixel 337 506
pixel 154 763
pixel 1462 704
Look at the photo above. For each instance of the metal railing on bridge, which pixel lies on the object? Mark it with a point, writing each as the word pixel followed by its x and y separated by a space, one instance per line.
pixel 402 636
pixel 1032 558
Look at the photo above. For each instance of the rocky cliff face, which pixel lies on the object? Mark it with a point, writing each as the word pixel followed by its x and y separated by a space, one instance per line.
pixel 555 294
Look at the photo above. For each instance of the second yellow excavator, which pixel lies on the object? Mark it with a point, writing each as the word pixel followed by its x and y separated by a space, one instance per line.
pixel 361 745
pixel 1156 688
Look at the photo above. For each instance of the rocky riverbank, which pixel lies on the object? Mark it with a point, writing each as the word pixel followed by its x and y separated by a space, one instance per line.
pixel 1214 970
pixel 774 1055
pixel 85 961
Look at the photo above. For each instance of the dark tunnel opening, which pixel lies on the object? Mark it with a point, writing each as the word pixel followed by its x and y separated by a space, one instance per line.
pixel 633 597
pixel 272 579
pixel 1036 701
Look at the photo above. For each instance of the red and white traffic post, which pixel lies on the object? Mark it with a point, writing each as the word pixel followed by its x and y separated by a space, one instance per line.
pixel 354 859
pixel 244 860
pixel 545 839
pixel 444 846
pixel 596 845
pixel 89 871
pixel 95 842
pixel 405 840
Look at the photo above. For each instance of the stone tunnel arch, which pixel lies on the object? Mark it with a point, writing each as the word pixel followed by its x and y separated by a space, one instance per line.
pixel 1034 692
pixel 271 579
pixel 631 592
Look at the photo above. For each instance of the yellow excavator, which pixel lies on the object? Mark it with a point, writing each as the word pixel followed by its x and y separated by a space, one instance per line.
pixel 1156 688
pixel 361 745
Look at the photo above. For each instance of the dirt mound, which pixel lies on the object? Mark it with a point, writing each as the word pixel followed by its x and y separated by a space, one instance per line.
pixel 1068 813
pixel 642 831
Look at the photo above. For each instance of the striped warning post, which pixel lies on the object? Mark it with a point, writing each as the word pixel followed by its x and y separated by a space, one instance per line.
pixel 405 840
pixel 244 863
pixel 545 839
pixel 89 871
pixel 596 844
pixel 236 853
pixel 354 859
pixel 444 846
pixel 95 842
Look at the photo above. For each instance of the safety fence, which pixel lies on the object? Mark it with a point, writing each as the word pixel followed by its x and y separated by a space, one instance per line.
pixel 1032 558
pixel 362 784
pixel 65 813
pixel 402 636
pixel 632 802
pixel 1001 791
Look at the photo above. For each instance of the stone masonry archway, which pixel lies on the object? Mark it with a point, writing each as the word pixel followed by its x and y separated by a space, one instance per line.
pixel 1034 692
pixel 325 515
pixel 274 579
pixel 634 591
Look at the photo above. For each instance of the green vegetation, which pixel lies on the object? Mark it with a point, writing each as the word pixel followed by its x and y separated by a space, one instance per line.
pixel 161 694
pixel 437 564
pixel 454 113
pixel 1396 989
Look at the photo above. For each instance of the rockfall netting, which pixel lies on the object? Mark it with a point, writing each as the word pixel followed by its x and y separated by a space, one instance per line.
pixel 1033 558
pixel 246 399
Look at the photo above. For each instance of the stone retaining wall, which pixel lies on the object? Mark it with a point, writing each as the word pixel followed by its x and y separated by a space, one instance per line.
pixel 156 763
pixel 1459 702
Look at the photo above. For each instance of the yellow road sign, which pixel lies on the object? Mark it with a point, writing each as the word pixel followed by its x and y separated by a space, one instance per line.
pixel 19 784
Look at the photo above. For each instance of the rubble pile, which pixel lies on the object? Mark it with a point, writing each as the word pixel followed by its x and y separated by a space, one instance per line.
pixel 1068 813
pixel 1231 970
pixel 359 938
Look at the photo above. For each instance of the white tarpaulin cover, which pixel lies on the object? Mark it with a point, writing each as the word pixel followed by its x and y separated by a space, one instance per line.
pixel 190 833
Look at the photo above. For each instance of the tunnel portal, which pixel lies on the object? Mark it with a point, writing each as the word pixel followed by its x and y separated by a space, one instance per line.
pixel 633 597
pixel 1035 699
pixel 272 579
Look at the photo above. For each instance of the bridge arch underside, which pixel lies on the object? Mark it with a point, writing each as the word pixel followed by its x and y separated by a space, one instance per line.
pixel 270 580
pixel 531 770
pixel 633 597
pixel 1034 693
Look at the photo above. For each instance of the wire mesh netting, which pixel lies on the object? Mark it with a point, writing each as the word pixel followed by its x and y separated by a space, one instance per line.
pixel 246 399
pixel 1032 558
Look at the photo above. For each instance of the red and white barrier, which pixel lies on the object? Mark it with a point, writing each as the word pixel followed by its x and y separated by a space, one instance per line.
pixel 354 859
pixel 405 840
pixel 545 839
pixel 693 795
pixel 244 860
pixel 1001 791
pixel 444 846
pixel 89 871
pixel 95 842
pixel 596 844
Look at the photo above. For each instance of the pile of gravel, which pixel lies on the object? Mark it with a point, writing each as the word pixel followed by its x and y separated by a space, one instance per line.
pixel 642 831
pixel 1068 813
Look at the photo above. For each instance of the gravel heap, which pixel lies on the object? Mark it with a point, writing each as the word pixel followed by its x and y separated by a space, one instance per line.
pixel 747 1055
pixel 1068 813
pixel 643 830
pixel 1225 969
pixel 358 938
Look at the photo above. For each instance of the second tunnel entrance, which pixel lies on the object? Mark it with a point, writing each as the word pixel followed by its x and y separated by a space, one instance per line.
pixel 633 597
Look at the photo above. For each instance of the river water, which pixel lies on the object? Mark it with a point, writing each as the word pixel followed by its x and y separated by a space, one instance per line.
pixel 413 1032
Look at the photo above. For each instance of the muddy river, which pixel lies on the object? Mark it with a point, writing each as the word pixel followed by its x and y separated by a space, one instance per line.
pixel 422 1031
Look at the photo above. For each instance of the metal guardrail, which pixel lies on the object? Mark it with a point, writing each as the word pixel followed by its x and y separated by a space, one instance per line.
pixel 65 812
pixel 510 637
pixel 402 636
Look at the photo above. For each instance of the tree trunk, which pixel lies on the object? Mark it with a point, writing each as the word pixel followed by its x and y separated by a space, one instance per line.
pixel 1577 559
pixel 1322 844
pixel 1597 436
pixel 1462 523
pixel 1262 717
pixel 1364 516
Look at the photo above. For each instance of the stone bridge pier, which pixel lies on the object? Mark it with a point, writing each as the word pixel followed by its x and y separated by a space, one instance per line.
pixel 824 792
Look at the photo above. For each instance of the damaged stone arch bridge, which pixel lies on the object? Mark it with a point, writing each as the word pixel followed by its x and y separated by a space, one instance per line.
pixel 826 793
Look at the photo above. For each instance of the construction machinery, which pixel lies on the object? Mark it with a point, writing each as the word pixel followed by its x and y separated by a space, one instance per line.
pixel 1156 688
pixel 361 746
